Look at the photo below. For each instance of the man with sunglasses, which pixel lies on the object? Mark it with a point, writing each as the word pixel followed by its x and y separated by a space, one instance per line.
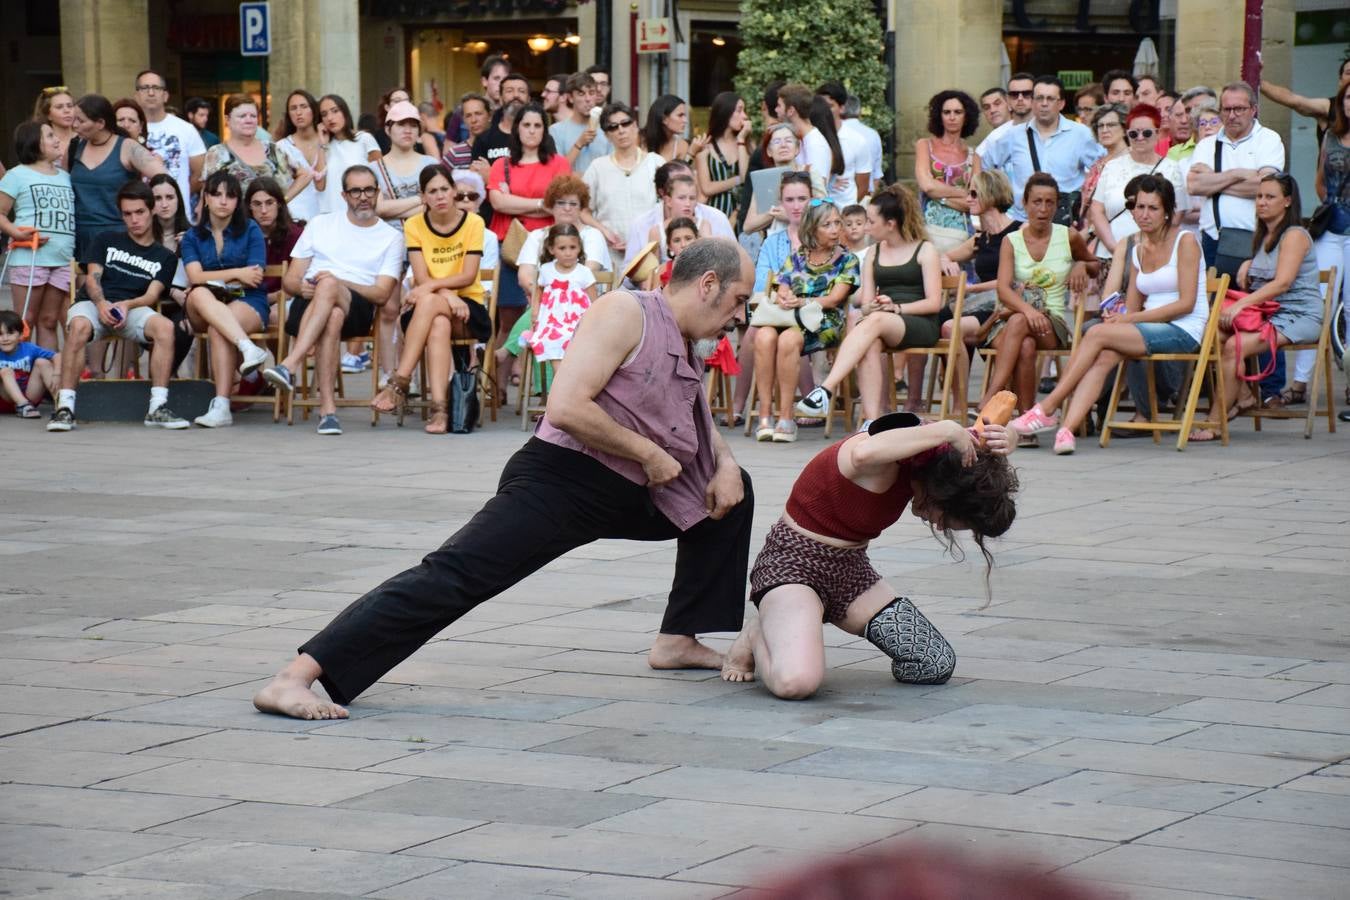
pixel 343 266
pixel 1049 142
pixel 1006 109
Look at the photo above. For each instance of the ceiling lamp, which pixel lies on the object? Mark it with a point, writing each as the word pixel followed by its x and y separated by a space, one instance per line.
pixel 540 44
pixel 572 38
pixel 719 41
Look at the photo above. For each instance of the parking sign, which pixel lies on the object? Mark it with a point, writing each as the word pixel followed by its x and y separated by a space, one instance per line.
pixel 255 29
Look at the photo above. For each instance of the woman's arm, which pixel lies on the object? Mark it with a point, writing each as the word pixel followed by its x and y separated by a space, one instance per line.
pixel 932 285
pixel 424 283
pixel 1009 296
pixel 706 185
pixel 932 188
pixel 963 253
pixel 513 205
pixel 1320 181
pixel 6 226
pixel 404 208
pixel 877 451
pixel 1189 262
pixel 1086 264
pixel 134 156
pixel 1289 257
pixel 866 298
pixel 1101 226
pixel 301 178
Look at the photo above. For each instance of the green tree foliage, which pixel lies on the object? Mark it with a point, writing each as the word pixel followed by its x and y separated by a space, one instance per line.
pixel 812 41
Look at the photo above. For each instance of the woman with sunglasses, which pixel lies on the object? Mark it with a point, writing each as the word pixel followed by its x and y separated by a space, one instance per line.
pixel 1108 126
pixel 1108 213
pixel 622 184
pixel 445 248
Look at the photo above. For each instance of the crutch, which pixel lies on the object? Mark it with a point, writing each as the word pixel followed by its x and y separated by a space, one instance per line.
pixel 30 243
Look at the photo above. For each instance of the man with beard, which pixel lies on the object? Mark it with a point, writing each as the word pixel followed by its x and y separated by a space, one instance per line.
pixel 343 266
pixel 626 449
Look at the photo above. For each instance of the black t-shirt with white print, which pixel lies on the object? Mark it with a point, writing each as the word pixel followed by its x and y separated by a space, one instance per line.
pixel 128 268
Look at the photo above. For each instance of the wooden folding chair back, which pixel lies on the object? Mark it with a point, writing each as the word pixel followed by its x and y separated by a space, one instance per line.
pixel 1201 365
pixel 947 365
pixel 1056 353
pixel 1323 367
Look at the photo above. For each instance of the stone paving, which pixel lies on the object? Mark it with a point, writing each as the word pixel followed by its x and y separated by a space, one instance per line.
pixel 1156 700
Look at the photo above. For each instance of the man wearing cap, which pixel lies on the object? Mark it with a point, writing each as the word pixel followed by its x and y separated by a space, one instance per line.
pixel 626 449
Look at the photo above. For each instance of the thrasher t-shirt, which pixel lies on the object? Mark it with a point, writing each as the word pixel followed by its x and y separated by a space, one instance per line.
pixel 128 268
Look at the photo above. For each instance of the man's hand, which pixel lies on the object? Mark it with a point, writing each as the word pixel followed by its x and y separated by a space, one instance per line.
pixel 585 138
pixel 724 491
pixel 661 468
pixel 482 167
pixel 106 317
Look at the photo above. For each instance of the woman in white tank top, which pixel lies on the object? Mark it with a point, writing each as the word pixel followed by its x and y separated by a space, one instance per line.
pixel 1165 312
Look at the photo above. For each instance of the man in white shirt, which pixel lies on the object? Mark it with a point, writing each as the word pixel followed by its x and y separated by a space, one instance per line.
pixel 578 136
pixel 343 266
pixel 642 225
pixel 815 153
pixel 1226 169
pixel 870 138
pixel 174 140
pixel 857 159
pixel 1006 109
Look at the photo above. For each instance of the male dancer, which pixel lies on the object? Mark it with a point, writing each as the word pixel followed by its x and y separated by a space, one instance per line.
pixel 626 449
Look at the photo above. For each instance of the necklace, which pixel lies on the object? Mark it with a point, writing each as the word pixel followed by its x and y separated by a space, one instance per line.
pixel 627 172
pixel 101 143
pixel 810 261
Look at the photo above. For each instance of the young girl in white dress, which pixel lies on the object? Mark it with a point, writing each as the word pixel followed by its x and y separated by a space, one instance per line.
pixel 564 290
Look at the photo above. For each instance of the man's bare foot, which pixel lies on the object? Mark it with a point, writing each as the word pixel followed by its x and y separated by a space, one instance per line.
pixel 740 661
pixel 678 651
pixel 286 695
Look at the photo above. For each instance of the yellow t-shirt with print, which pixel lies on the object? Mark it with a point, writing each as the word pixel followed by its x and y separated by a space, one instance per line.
pixel 444 254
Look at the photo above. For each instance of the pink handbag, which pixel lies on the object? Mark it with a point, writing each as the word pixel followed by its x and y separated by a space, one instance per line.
pixel 1254 319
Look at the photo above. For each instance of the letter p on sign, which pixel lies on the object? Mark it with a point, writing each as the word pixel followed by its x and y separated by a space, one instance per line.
pixel 255 29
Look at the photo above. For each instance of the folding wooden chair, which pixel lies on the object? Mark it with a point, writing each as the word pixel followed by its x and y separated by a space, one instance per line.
pixel 944 358
pixel 306 397
pixel 1058 353
pixel 486 364
pixel 544 369
pixel 1201 365
pixel 1322 369
pixel 273 337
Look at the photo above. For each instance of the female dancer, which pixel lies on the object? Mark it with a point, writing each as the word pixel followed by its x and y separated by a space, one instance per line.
pixel 814 564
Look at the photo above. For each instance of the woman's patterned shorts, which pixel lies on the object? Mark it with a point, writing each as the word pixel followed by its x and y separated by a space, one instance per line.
pixel 838 575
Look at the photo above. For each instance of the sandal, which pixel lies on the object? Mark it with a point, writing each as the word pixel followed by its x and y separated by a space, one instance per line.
pixel 393 395
pixel 439 422
pixel 1294 396
pixel 1201 435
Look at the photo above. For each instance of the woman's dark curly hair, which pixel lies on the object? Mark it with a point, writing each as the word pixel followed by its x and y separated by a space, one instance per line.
pixel 968 127
pixel 978 497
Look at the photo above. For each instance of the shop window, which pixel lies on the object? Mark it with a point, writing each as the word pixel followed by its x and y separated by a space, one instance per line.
pixel 713 50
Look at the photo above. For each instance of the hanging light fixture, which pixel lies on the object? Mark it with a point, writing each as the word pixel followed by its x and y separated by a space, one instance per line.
pixel 540 44
pixel 573 39
pixel 719 41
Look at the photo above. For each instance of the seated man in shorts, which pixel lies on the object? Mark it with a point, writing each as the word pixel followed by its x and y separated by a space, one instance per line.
pixel 343 266
pixel 129 271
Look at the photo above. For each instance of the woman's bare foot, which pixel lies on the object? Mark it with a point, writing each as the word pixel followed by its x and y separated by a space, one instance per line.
pixel 740 660
pixel 287 695
pixel 678 651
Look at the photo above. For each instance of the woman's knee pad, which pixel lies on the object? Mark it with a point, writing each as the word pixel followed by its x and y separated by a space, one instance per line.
pixel 918 651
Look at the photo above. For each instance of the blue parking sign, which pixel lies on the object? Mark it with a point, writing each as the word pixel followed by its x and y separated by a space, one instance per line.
pixel 255 29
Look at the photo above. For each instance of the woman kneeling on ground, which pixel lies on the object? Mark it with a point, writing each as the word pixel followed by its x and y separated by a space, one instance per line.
pixel 445 246
pixel 1165 312
pixel 814 564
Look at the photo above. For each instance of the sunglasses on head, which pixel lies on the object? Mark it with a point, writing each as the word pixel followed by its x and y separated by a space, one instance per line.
pixel 816 202
pixel 473 196
pixel 56 89
pixel 615 126
pixel 1146 134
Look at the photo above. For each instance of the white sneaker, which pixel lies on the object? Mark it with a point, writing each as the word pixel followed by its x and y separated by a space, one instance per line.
pixel 254 357
pixel 217 415
pixel 352 364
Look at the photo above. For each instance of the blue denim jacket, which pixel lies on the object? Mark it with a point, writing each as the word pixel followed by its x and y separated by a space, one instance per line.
pixel 239 251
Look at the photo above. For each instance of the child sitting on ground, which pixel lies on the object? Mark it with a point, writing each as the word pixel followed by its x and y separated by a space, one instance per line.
pixel 27 372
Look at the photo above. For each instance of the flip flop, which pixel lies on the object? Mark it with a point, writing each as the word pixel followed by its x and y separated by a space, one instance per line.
pixel 1202 435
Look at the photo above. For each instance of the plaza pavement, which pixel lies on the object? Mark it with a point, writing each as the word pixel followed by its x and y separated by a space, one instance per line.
pixel 1156 699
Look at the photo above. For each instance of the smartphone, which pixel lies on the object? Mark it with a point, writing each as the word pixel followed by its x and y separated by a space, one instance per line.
pixel 115 313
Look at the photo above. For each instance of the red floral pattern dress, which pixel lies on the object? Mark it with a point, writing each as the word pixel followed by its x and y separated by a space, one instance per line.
pixel 562 300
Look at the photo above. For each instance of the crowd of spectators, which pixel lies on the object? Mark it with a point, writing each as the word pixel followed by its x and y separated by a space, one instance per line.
pixel 379 239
